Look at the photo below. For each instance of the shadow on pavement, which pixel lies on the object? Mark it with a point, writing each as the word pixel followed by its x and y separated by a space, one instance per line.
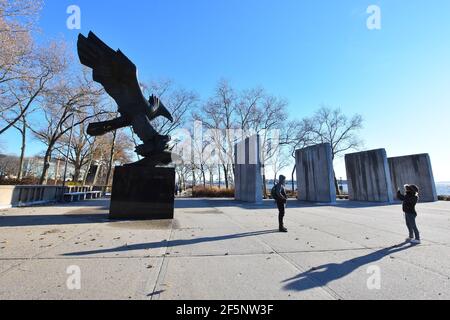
pixel 45 220
pixel 191 203
pixel 321 276
pixel 86 212
pixel 97 211
pixel 171 243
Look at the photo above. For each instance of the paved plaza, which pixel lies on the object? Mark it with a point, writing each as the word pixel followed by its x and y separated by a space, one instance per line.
pixel 222 249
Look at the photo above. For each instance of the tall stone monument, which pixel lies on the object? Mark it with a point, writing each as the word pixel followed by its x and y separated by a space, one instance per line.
pixel 414 169
pixel 247 174
pixel 315 174
pixel 369 177
pixel 145 189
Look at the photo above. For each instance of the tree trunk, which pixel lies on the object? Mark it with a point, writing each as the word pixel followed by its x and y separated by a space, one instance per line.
pixel 58 163
pixel 263 168
pixel 220 181
pixel 77 168
pixel 293 175
pixel 202 168
pixel 194 182
pixel 336 185
pixel 77 173
pixel 44 175
pixel 87 171
pixel 178 179
pixel 22 151
pixel 225 171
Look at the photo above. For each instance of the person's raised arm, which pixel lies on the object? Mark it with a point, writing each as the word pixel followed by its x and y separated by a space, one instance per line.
pixel 400 196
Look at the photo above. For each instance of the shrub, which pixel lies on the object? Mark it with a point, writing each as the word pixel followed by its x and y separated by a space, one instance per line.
pixel 28 181
pixel 212 192
pixel 291 194
pixel 23 182
pixel 444 198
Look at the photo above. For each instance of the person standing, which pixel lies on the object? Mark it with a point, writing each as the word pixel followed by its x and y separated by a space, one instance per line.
pixel 410 199
pixel 280 197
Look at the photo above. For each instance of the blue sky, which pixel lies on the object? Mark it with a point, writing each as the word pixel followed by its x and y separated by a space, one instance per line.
pixel 309 52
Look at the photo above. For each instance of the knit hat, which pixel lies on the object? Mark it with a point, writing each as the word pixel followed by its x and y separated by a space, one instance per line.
pixel 412 187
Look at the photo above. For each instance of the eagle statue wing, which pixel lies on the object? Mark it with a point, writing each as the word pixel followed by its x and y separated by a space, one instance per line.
pixel 113 70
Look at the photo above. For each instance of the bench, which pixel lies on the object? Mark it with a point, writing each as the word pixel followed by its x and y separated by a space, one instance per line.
pixel 93 195
pixel 74 196
pixel 80 196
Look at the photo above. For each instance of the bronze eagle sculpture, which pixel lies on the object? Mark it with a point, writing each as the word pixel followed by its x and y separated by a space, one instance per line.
pixel 118 75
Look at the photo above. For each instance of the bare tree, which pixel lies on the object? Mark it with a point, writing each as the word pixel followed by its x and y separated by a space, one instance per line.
pixel 114 148
pixel 248 108
pixel 17 17
pixel 28 89
pixel 15 52
pixel 231 115
pixel 296 135
pixel 268 123
pixel 20 16
pixel 340 131
pixel 280 160
pixel 218 115
pixel 21 126
pixel 183 172
pixel 21 62
pixel 79 146
pixel 68 104
pixel 30 167
pixel 202 158
pixel 8 166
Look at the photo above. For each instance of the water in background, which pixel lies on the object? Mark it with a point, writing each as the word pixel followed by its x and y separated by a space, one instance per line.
pixel 442 188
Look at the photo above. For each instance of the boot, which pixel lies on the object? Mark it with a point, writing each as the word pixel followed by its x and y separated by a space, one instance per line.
pixel 282 228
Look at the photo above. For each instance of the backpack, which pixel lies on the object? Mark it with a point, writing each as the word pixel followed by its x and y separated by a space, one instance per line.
pixel 273 193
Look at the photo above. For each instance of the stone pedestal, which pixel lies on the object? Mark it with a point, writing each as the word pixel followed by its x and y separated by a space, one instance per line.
pixel 143 192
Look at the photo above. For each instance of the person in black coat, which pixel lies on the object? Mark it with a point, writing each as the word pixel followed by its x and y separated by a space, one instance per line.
pixel 280 198
pixel 410 199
